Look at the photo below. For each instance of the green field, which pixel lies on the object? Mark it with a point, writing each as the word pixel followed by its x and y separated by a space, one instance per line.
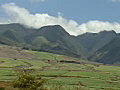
pixel 70 76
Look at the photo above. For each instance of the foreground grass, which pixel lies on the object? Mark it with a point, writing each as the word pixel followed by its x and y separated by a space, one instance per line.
pixel 66 76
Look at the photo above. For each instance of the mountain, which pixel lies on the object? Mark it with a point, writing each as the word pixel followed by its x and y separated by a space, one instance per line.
pixel 12 34
pixel 103 47
pixel 48 38
pixel 55 39
pixel 95 41
pixel 109 54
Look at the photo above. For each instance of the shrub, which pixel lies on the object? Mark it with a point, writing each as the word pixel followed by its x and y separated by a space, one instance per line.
pixel 27 81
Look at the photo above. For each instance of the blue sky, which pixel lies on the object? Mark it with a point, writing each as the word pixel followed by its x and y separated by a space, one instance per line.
pixel 78 10
pixel 81 11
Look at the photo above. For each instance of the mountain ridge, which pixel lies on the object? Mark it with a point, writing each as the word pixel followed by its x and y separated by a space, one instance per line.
pixel 55 39
pixel 47 38
pixel 95 41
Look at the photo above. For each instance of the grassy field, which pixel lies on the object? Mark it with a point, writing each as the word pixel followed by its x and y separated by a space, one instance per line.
pixel 70 76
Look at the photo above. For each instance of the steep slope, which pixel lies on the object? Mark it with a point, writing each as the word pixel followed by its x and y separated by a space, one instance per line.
pixel 109 54
pixel 94 41
pixel 13 33
pixel 55 39
pixel 49 38
pixel 103 47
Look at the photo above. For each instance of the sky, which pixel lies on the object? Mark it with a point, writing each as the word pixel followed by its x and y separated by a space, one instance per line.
pixel 76 16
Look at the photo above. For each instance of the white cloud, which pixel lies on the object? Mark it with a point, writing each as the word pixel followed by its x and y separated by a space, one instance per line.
pixel 23 16
pixel 115 0
pixel 97 26
pixel 38 0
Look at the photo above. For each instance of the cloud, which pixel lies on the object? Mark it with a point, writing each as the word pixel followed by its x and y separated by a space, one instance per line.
pixel 115 0
pixel 97 26
pixel 23 16
pixel 38 0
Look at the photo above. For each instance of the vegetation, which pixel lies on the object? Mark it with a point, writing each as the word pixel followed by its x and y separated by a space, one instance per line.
pixel 47 71
pixel 102 47
pixel 110 53
pixel 49 38
pixel 27 81
pixel 95 41
pixel 73 74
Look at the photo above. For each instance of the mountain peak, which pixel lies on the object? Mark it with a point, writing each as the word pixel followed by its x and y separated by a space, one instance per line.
pixel 53 29
pixel 105 31
pixel 53 26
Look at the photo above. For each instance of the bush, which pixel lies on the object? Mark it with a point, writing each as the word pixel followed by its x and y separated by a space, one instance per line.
pixel 29 81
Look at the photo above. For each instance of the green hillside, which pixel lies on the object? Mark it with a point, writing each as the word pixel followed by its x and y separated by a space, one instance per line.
pixel 64 72
pixel 101 47
pixel 110 53
pixel 95 41
pixel 49 38
pixel 56 39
